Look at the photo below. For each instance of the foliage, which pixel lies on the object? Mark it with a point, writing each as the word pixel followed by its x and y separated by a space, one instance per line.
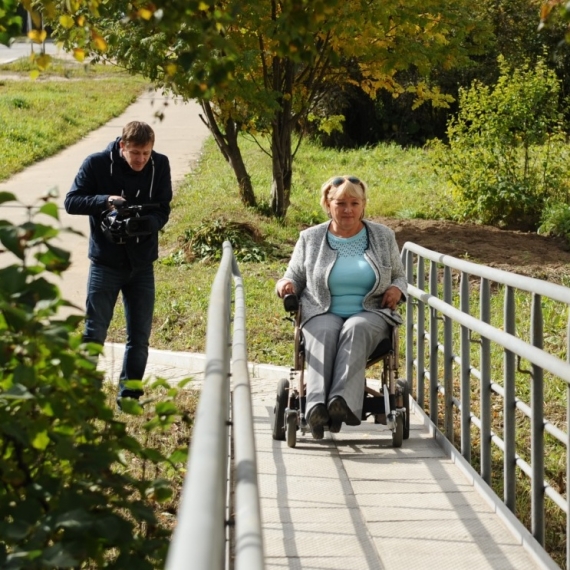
pixel 555 220
pixel 205 242
pixel 67 497
pixel 265 67
pixel 506 156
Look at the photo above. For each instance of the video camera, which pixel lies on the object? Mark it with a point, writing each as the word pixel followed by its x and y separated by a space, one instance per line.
pixel 123 221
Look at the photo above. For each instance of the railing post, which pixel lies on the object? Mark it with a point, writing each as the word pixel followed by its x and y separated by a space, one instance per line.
pixel 485 386
pixel 409 259
pixel 509 476
pixel 537 425
pixel 421 352
pixel 433 348
pixel 465 371
pixel 448 357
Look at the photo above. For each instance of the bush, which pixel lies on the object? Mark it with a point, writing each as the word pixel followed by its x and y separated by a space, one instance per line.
pixel 67 498
pixel 507 155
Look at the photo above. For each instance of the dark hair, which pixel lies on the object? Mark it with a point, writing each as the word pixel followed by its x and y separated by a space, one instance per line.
pixel 137 133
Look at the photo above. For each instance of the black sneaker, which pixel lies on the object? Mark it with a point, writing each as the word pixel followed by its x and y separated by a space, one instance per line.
pixel 340 412
pixel 318 418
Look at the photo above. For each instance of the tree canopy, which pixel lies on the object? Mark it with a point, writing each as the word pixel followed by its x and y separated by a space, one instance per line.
pixel 264 68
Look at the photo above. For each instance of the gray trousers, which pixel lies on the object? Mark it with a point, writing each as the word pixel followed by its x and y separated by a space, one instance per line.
pixel 336 350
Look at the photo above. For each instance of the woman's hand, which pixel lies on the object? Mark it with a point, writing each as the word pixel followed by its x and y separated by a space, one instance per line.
pixel 391 297
pixel 284 287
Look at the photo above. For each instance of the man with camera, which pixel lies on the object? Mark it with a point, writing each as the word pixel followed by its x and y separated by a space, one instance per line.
pixel 126 191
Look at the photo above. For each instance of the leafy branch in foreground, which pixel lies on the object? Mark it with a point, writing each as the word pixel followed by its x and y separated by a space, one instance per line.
pixel 67 496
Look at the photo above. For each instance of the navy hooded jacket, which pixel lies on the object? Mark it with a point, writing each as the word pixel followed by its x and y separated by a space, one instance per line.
pixel 107 173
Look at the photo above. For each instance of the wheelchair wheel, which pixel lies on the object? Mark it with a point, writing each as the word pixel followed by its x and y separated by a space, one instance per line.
pixel 279 409
pixel 403 387
pixel 398 433
pixel 291 429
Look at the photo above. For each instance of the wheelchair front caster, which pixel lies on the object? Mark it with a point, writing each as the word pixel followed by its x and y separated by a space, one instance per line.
pixel 398 431
pixel 279 409
pixel 291 428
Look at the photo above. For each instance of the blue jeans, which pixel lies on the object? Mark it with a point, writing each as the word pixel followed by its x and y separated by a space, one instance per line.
pixel 137 288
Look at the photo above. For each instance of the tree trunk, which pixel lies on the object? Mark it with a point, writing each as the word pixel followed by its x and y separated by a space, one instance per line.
pixel 281 140
pixel 227 142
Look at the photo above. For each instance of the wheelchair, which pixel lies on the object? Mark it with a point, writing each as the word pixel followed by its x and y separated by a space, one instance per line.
pixel 389 405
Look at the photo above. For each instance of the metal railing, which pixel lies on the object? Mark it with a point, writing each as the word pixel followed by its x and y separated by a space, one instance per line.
pixel 202 538
pixel 437 295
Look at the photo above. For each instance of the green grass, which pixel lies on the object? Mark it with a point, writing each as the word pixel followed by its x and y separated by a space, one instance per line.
pixel 39 118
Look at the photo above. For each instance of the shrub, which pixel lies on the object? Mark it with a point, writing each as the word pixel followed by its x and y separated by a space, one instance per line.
pixel 204 243
pixel 67 498
pixel 506 156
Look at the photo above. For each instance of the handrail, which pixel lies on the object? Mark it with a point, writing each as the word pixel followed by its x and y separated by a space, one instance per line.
pixel 199 540
pixel 432 288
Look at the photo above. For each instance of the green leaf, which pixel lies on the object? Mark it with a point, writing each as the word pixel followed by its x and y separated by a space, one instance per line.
pixel 131 406
pixel 50 209
pixel 166 409
pixel 59 556
pixel 10 237
pixel 41 440
pixel 7 197
pixel 18 392
pixel 12 279
pixel 180 455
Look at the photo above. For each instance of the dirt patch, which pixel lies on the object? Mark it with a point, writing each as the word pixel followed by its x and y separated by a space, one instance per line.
pixel 520 252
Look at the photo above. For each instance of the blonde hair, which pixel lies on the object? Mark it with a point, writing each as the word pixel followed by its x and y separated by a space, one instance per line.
pixel 339 186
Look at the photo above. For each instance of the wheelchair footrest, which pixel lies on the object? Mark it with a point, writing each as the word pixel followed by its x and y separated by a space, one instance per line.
pixel 374 405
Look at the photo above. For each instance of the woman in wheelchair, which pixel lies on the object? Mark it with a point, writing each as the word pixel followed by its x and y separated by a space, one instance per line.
pixel 349 277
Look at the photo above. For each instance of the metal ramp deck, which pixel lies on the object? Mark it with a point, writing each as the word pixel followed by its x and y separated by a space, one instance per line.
pixel 351 501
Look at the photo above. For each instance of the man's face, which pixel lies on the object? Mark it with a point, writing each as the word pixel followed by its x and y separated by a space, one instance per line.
pixel 136 155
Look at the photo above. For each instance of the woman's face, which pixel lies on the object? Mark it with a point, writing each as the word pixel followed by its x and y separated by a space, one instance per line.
pixel 346 213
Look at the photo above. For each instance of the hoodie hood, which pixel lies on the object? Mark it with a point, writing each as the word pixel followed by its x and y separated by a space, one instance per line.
pixel 119 167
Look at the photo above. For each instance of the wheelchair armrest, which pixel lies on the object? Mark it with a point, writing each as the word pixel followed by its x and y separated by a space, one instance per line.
pixel 291 303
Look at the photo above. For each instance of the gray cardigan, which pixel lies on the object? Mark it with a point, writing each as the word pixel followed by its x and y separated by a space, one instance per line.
pixel 313 260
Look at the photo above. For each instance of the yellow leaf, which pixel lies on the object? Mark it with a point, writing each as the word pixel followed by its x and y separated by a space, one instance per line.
pixel 37 36
pixel 79 54
pixel 100 43
pixel 145 14
pixel 80 21
pixel 66 21
pixel 49 9
pixel 34 74
pixel 203 6
pixel 43 61
pixel 171 69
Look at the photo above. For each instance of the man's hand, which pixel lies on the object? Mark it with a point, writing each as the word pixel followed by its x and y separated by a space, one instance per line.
pixel 116 202
pixel 391 297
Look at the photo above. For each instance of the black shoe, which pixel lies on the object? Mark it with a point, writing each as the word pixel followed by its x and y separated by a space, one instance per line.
pixel 340 412
pixel 318 418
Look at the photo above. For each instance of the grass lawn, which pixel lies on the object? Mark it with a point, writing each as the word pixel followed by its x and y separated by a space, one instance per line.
pixel 69 96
